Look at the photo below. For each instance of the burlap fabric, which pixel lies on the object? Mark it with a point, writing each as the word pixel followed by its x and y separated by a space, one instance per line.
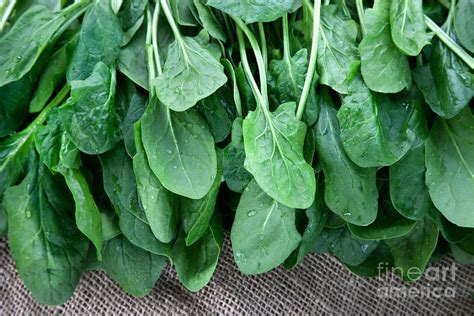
pixel 320 285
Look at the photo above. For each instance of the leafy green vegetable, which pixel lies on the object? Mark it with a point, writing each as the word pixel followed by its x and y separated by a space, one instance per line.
pixel 384 68
pixel 408 26
pixel 463 23
pixel 258 218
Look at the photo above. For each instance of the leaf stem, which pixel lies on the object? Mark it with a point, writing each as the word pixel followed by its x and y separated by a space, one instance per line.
pixel 258 57
pixel 263 44
pixel 312 60
pixel 286 37
pixel 174 28
pixel 448 41
pixel 6 14
pixel 149 49
pixel 360 13
pixel 245 63
pixel 154 38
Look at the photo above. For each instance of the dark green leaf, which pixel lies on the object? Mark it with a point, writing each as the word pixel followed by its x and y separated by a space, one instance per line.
pixel 464 24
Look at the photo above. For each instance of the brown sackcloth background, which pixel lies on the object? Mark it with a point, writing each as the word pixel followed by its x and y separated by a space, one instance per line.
pixel 320 285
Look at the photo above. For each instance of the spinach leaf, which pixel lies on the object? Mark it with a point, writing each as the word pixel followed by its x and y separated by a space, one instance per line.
pixel 412 252
pixel 235 174
pixel 407 25
pixel 463 23
pixel 355 200
pixel 99 41
pixel 48 249
pixel 375 129
pixel 134 269
pixel 384 68
pixel 180 149
pixel 345 246
pixel 274 155
pixel 258 219
pixel 450 167
pixel 209 20
pixel 446 82
pixel 196 214
pixel 121 188
pixel 452 233
pixel 254 11
pixel 160 205
pixel 89 116
pixel 184 12
pixel 379 261
pixel 191 73
pixel 196 264
pixel 338 56
pixel 3 220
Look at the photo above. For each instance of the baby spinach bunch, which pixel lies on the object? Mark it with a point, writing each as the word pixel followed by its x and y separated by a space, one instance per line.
pixel 133 133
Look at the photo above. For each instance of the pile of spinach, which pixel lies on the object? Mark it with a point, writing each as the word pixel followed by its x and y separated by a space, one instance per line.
pixel 133 133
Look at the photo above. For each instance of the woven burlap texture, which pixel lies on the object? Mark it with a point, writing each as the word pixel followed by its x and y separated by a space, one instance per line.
pixel 320 285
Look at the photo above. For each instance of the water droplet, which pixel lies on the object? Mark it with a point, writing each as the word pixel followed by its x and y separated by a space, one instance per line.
pixel 19 57
pixel 347 214
pixel 247 189
pixel 169 151
pixel 186 141
pixel 175 167
pixel 251 213
pixel 28 214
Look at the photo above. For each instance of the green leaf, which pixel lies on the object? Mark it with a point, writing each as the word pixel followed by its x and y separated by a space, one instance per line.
pixel 196 214
pixel 24 51
pixel 317 215
pixel 88 218
pixel 134 269
pixel 217 110
pixel 184 12
pixel 89 116
pixel 354 200
pixel 51 76
pixel 55 148
pixel 464 24
pixel 388 224
pixel 190 74
pixel 209 20
pixel 338 56
pixel 48 250
pixel 450 167
pixel 263 234
pixel 274 155
pixel 384 68
pixel 452 233
pixel 374 127
pixel 132 59
pixel 196 264
pixel 180 149
pixel 132 104
pixel 408 191
pixel 121 188
pixel 378 262
pixel 235 174
pixel 412 252
pixel 3 220
pixel 99 41
pixel 255 11
pixel 130 13
pixel 407 25
pixel 446 83
pixel 160 205
pixel 345 246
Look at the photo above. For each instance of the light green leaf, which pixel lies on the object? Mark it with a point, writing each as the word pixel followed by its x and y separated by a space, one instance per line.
pixel 196 264
pixel 450 167
pixel 407 25
pixel 374 128
pixel 384 68
pixel 134 269
pixel 48 250
pixel 89 116
pixel 263 234
pixel 274 156
pixel 180 149
pixel 160 205
pixel 191 73
pixel 354 200
pixel 209 20
pixel 464 23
